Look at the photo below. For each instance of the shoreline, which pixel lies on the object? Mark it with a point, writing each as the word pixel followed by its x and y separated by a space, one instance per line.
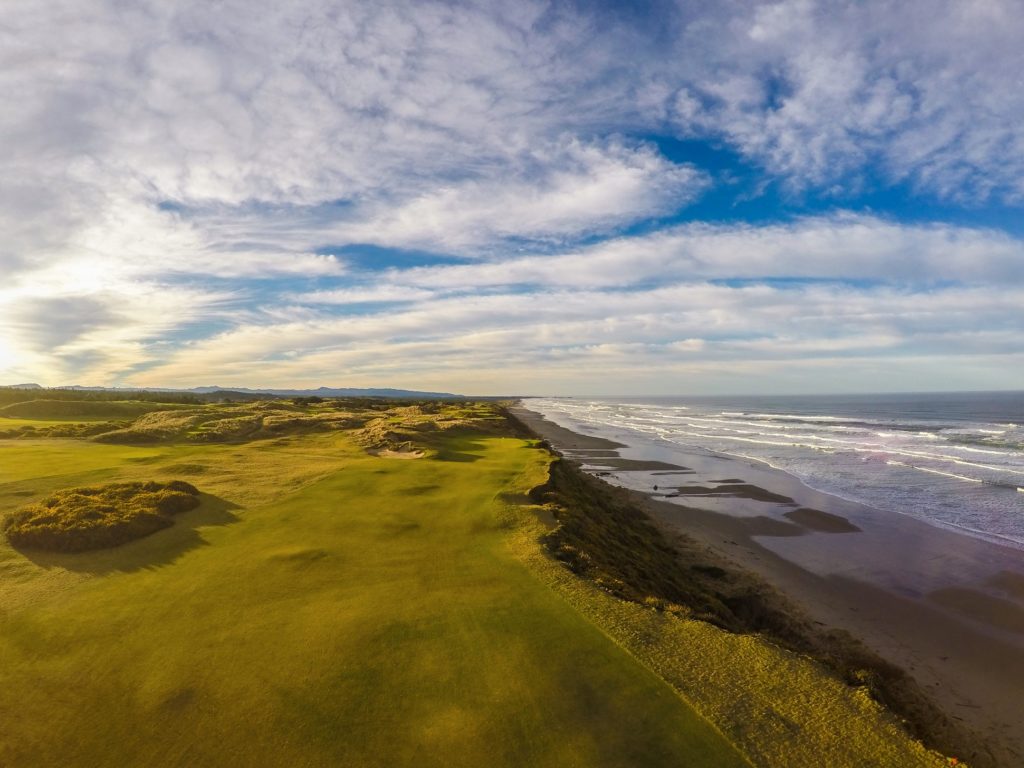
pixel 930 508
pixel 974 533
pixel 946 607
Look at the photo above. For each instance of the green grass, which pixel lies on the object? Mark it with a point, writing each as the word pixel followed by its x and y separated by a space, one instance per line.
pixel 82 410
pixel 30 459
pixel 323 607
pixel 11 423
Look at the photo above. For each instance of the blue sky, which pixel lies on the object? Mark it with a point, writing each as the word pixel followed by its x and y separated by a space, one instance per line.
pixel 516 197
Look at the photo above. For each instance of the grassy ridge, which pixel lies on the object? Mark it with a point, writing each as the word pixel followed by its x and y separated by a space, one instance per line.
pixel 603 537
pixel 82 410
pixel 9 395
pixel 323 607
pixel 238 422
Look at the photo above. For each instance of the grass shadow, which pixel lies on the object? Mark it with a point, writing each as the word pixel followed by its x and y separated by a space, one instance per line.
pixel 462 449
pixel 153 551
pixel 515 499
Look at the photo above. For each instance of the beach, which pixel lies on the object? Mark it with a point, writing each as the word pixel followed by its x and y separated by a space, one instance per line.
pixel 945 607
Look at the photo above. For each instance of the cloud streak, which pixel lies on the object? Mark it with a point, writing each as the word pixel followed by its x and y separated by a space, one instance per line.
pixel 183 183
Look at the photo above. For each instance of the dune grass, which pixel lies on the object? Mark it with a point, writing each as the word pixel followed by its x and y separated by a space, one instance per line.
pixel 694 626
pixel 230 423
pixel 79 519
pixel 323 607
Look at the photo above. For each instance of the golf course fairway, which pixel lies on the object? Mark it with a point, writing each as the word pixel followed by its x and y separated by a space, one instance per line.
pixel 371 583
pixel 324 607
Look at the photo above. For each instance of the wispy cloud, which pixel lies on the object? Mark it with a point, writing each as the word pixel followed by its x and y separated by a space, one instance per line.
pixel 830 92
pixel 600 331
pixel 843 246
pixel 176 177
pixel 563 192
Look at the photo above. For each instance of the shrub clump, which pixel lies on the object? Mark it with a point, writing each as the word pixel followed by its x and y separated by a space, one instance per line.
pixel 80 519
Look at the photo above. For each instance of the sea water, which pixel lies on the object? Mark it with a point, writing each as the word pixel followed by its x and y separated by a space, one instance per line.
pixel 953 459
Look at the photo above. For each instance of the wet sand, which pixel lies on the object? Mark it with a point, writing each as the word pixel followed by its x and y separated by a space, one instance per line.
pixel 946 607
pixel 822 522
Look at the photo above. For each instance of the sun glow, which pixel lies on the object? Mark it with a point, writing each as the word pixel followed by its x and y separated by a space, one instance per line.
pixel 8 356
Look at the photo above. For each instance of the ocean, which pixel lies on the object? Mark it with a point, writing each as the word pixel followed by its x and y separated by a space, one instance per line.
pixel 955 460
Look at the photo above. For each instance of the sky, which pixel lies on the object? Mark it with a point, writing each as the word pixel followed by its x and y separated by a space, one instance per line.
pixel 513 197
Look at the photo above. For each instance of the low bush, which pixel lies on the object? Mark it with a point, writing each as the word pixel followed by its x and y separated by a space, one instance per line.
pixel 80 519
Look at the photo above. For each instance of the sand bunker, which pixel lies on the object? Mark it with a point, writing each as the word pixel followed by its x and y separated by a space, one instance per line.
pixel 387 453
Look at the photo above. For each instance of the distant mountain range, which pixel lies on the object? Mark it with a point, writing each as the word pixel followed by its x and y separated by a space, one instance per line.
pixel 320 391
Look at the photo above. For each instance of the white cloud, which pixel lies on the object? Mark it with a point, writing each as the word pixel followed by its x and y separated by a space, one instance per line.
pixel 94 334
pixel 818 91
pixel 637 304
pixel 373 294
pixel 841 246
pixel 308 102
pixel 161 157
pixel 637 333
pixel 580 189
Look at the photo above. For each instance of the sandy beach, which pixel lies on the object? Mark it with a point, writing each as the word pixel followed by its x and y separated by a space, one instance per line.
pixel 946 607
